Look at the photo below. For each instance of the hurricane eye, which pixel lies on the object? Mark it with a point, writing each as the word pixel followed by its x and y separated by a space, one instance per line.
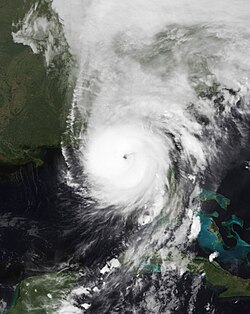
pixel 121 167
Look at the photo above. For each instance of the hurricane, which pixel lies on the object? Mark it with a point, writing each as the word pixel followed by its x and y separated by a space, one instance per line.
pixel 162 88
pixel 159 111
pixel 126 164
pixel 143 82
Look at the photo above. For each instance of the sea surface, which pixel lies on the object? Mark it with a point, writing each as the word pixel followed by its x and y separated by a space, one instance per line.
pixel 145 106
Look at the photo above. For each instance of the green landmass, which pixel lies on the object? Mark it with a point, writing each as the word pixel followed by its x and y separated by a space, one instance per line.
pixel 213 228
pixel 32 95
pixel 210 240
pixel 42 294
pixel 206 195
pixel 230 286
pixel 227 284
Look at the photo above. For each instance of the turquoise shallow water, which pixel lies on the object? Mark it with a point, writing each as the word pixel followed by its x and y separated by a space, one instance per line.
pixel 210 239
pixel 173 85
